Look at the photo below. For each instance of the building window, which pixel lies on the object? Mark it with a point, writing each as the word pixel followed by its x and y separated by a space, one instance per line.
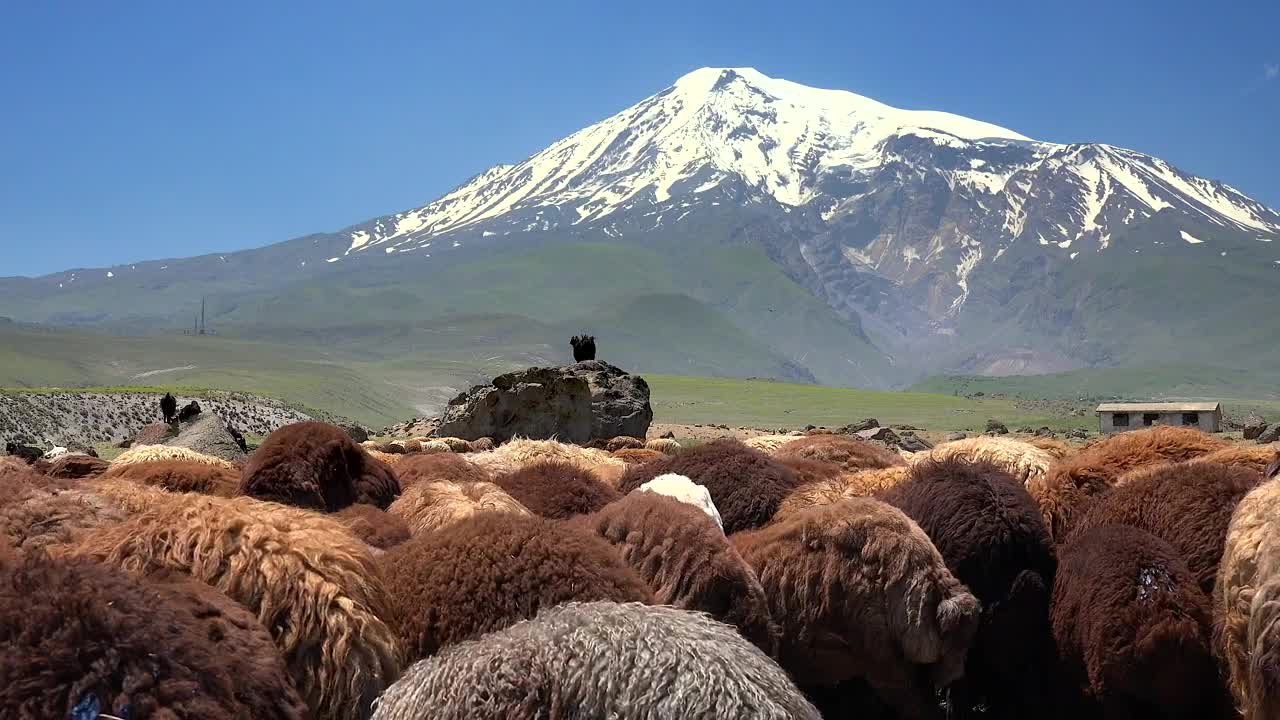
pixel 1120 420
pixel 1150 419
pixel 1190 418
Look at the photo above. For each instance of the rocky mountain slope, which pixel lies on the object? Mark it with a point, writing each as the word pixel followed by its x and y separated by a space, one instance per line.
pixel 61 417
pixel 822 235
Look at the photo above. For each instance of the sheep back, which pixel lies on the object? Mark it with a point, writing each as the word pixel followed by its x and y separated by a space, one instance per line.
pixel 686 561
pixel 493 569
pixel 746 485
pixel 556 489
pixel 317 466
pixel 583 660
pixel 849 454
pixel 376 528
pixel 428 506
pixel 438 467
pixel 180 476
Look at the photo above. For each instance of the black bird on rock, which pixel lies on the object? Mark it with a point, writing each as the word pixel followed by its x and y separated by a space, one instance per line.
pixel 584 347
pixel 168 407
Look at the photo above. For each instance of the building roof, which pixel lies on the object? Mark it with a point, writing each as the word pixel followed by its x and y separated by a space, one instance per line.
pixel 1159 407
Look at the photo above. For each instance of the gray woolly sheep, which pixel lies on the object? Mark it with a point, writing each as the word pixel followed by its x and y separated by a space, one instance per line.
pixel 600 660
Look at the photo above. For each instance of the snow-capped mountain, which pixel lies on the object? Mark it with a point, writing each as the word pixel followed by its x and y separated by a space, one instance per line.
pixel 939 241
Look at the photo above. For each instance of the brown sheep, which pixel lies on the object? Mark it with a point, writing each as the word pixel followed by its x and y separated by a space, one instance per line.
pixel 484 444
pixel 850 454
pixel 861 592
pixel 309 582
pixel 1058 449
pixel 1187 505
pixel 1071 484
pixel 520 452
pixel 989 532
pixel 75 466
pixel 637 457
pixel 746 485
pixel 154 453
pixel 864 483
pixel 811 471
pixel 686 560
pixel 1020 459
pixel 46 515
pixel 431 505
pixel 557 490
pixel 377 528
pixel 101 641
pixel 1246 603
pixel 438 467
pixel 1254 457
pixel 493 570
pixel 666 446
pixel 317 466
pixel 180 476
pixel 1131 629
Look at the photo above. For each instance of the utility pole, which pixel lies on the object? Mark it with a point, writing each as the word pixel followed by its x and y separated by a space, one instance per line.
pixel 203 328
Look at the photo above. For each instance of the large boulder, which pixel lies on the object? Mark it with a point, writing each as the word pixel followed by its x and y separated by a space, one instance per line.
pixel 1254 426
pixel 1269 434
pixel 537 403
pixel 209 434
pixel 619 400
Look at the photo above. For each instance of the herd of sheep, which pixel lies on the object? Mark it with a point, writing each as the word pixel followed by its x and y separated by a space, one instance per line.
pixel 784 577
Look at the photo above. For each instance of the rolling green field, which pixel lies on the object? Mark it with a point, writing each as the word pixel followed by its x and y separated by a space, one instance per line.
pixel 762 403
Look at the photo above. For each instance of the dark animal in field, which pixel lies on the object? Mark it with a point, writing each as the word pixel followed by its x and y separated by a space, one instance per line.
pixel 686 560
pixel 600 660
pixel 1188 505
pixel 860 592
pixel 557 490
pixel 168 407
pixel 746 485
pixel 26 452
pixel 189 411
pixel 318 466
pixel 493 569
pixel 990 533
pixel 101 641
pixel 584 347
pixel 1132 630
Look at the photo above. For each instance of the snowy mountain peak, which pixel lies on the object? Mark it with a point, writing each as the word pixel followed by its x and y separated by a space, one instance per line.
pixel 791 144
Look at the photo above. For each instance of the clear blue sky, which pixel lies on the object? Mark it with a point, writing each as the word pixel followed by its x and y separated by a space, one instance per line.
pixel 138 130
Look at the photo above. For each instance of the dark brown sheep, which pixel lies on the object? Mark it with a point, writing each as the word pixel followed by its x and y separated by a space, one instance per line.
pixel 638 456
pixel 180 476
pixel 557 490
pixel 990 533
pixel 683 556
pixel 438 467
pixel 746 485
pixel 810 472
pixel 377 528
pixel 44 515
pixel 849 454
pixel 1187 505
pixel 860 592
pixel 317 466
pixel 1132 630
pixel 75 466
pixel 102 641
pixel 1065 491
pixel 492 570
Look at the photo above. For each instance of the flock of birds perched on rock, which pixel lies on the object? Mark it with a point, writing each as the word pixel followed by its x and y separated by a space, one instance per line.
pixel 785 577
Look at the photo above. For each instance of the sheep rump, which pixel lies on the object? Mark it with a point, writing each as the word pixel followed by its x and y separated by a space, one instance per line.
pixel 180 476
pixel 376 528
pixel 1020 459
pixel 746 485
pixel 579 660
pixel 307 580
pixel 428 506
pixel 865 483
pixel 1131 628
pixel 849 454
pixel 438 467
pixel 1188 505
pixel 557 490
pixel 686 561
pixel 134 647
pixel 155 453
pixel 492 570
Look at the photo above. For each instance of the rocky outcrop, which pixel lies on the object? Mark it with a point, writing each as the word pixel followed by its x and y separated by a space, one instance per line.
pixel 1254 426
pixel 209 434
pixel 538 403
pixel 619 400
